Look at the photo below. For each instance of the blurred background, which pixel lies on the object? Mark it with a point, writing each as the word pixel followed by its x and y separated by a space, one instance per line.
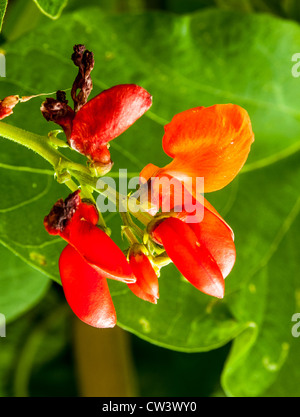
pixel 47 351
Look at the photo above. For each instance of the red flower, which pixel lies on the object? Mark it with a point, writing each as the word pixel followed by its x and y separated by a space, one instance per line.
pixel 100 120
pixel 212 143
pixel 146 286
pixel 105 117
pixel 90 258
pixel 91 125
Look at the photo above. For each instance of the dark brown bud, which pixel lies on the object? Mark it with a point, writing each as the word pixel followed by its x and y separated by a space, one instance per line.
pixel 61 213
pixel 84 60
pixel 58 111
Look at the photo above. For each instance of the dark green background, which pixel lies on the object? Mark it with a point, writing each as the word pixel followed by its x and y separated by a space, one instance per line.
pixel 186 54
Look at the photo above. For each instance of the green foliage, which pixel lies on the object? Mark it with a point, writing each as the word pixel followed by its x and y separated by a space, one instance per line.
pixel 184 61
pixel 21 286
pixel 51 8
pixel 3 5
pixel 32 353
pixel 285 8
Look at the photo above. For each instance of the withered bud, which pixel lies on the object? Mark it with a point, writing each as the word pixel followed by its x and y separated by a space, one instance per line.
pixel 84 60
pixel 61 213
pixel 58 111
pixel 7 105
pixel 61 96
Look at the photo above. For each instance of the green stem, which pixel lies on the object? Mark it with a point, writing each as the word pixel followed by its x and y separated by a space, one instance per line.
pixel 58 143
pixel 37 143
pixel 113 195
pixel 42 146
pixel 136 228
pixel 71 185
pixel 64 168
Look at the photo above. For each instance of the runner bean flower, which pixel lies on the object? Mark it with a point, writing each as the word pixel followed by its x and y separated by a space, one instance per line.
pixel 212 143
pixel 87 261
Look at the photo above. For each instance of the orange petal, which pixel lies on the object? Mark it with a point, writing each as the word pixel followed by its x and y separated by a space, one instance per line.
pixel 86 291
pixel 147 172
pixel 164 191
pixel 212 143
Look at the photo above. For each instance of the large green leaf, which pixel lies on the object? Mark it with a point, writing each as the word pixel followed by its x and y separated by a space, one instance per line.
pixel 268 266
pixel 184 61
pixel 284 8
pixel 28 350
pixel 21 286
pixel 3 6
pixel 51 8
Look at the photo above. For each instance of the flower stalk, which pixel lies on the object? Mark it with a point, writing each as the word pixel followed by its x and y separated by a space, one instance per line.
pixel 65 169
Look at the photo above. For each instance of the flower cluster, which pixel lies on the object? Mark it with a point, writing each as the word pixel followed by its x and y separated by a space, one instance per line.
pixel 212 143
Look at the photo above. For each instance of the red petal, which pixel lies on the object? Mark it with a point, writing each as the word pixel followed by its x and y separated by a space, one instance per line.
pixel 191 258
pixel 211 208
pixel 107 116
pixel 212 143
pixel 146 286
pixel 99 250
pixel 154 172
pixel 213 233
pixel 86 290
pixel 88 212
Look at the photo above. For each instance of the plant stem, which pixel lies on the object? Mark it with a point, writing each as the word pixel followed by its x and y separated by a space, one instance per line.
pixel 65 168
pixel 42 146
pixel 112 195
pixel 104 362
pixel 37 143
